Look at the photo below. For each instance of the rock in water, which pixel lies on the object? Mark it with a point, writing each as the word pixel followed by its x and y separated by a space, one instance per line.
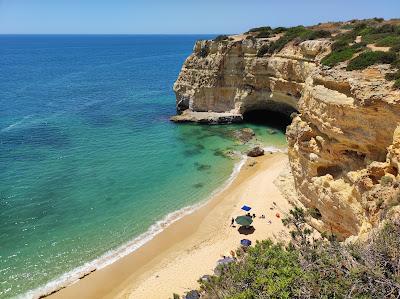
pixel 244 135
pixel 255 152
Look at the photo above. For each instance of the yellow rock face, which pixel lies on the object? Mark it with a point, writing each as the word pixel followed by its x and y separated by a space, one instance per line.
pixel 344 146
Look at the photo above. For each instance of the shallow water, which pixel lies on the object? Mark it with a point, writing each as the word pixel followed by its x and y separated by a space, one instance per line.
pixel 88 157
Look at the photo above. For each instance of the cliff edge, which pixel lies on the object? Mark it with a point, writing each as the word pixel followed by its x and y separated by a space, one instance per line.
pixel 342 81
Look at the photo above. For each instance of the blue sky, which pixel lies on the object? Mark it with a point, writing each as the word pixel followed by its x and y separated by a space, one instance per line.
pixel 179 16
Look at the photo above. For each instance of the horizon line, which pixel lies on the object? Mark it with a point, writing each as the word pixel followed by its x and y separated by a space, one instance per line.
pixel 116 33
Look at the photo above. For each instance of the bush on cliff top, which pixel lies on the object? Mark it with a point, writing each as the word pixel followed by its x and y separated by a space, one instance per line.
pixel 300 33
pixel 338 56
pixel 258 29
pixel 369 58
pixel 220 38
pixel 312 268
pixel 341 51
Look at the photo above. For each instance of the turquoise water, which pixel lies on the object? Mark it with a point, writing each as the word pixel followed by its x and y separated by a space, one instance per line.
pixel 88 158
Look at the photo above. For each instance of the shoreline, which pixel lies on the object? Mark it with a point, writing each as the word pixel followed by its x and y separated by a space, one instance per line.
pixel 123 278
pixel 108 258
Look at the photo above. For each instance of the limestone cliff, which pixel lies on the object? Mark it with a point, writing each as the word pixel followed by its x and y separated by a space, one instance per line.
pixel 344 145
pixel 228 77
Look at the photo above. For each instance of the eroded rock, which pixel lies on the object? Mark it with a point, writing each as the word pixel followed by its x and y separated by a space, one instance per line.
pixel 255 152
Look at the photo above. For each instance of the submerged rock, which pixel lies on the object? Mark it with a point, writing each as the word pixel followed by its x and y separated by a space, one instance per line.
pixel 255 152
pixel 244 135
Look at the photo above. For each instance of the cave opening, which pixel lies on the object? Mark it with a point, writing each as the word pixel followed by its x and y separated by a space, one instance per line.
pixel 273 119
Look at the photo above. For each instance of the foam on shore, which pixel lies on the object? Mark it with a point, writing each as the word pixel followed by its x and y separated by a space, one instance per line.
pixel 112 256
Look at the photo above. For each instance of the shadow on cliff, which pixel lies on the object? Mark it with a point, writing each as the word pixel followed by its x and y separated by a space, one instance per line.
pixel 268 118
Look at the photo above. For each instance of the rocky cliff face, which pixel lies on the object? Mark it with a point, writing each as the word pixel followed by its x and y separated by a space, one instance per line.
pixel 228 77
pixel 344 145
pixel 342 148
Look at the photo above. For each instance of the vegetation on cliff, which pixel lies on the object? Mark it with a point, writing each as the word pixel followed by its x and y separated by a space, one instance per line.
pixel 352 45
pixel 313 267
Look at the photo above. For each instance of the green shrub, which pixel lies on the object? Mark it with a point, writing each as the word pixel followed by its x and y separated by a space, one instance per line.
pixel 347 27
pixel 393 76
pixel 387 28
pixel 290 34
pixel 379 20
pixel 339 45
pixel 347 37
pixel 369 58
pixel 263 50
pixel 338 56
pixel 397 84
pixel 373 38
pixel 312 268
pixel 395 48
pixel 220 38
pixel 278 30
pixel 389 41
pixel 257 29
pixel 318 34
pixel 315 213
pixel 265 271
pixel 360 27
pixel 263 34
pixel 396 63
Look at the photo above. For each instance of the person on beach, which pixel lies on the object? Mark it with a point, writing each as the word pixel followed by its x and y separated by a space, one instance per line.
pixel 232 221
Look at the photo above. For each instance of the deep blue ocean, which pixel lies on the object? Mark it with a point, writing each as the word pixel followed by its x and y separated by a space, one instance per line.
pixel 90 165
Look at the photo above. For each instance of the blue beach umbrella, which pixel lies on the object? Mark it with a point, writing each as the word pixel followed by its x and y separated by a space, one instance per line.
pixel 245 242
pixel 246 208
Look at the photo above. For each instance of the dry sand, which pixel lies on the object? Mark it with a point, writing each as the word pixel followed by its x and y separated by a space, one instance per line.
pixel 174 260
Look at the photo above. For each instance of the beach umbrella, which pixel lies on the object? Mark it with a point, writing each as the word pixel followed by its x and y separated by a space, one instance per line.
pixel 245 242
pixel 244 220
pixel 246 208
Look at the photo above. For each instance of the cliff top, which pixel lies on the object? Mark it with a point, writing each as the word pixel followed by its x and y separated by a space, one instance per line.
pixel 355 44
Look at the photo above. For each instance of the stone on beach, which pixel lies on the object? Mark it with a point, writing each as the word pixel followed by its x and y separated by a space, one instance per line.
pixel 255 152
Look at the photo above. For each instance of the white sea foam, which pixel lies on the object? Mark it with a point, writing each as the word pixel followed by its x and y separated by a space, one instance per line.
pixel 114 255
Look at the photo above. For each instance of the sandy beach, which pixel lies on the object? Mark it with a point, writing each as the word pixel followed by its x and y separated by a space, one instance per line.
pixel 175 259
